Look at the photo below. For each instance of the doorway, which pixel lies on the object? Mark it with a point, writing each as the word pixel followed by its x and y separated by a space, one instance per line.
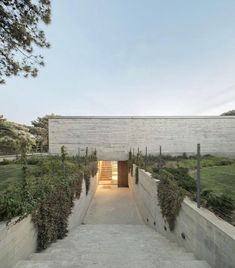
pixel 113 173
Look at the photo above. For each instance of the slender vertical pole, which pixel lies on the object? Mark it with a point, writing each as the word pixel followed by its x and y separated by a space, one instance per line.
pixel 86 155
pixel 198 176
pixel 146 156
pixel 138 151
pixel 160 157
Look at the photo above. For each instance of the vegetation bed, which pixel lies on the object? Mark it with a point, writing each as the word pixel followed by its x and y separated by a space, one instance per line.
pixel 45 189
pixel 217 182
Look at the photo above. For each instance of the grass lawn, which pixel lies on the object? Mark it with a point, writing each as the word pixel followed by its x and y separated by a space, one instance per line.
pixel 9 174
pixel 216 173
pixel 220 179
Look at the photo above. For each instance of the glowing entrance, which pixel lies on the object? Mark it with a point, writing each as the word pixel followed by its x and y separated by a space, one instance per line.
pixel 113 173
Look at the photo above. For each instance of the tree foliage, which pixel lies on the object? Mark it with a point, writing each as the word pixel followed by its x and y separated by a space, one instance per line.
pixel 232 112
pixel 40 131
pixel 20 35
pixel 15 138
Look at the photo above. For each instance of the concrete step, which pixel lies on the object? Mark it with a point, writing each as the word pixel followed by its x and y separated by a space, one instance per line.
pixel 73 246
pixel 67 254
pixel 182 264
pixel 113 245
pixel 37 264
pixel 135 263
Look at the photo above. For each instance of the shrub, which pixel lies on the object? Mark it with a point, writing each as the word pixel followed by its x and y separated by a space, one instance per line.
pixel 221 204
pixel 51 217
pixel 170 197
pixel 183 179
pixel 5 162
pixel 34 161
pixel 47 192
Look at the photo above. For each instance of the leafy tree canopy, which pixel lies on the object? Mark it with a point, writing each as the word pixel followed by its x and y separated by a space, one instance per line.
pixel 232 112
pixel 40 131
pixel 15 138
pixel 42 122
pixel 20 34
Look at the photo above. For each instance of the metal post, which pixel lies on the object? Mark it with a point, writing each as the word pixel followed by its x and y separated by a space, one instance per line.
pixel 146 156
pixel 160 157
pixel 138 157
pixel 198 176
pixel 86 155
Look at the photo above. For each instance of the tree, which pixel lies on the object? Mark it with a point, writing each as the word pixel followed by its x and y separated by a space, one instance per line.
pixel 40 131
pixel 15 138
pixel 20 35
pixel 3 127
pixel 232 112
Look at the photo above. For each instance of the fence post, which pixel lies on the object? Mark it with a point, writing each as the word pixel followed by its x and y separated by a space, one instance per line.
pixel 198 176
pixel 160 157
pixel 146 156
pixel 86 155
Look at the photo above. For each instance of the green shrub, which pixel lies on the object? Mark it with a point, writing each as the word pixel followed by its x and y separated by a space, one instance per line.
pixel 47 192
pixel 34 160
pixel 170 197
pixel 51 217
pixel 183 179
pixel 5 162
pixel 221 204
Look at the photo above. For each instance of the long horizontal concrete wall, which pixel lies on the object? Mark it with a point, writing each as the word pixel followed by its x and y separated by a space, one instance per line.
pixel 19 240
pixel 207 236
pixel 114 136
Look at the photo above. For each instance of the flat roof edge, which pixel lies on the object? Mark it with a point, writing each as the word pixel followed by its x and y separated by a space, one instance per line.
pixel 144 117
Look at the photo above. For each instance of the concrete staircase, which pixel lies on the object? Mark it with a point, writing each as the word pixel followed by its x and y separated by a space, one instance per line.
pixel 113 236
pixel 106 171
pixel 113 246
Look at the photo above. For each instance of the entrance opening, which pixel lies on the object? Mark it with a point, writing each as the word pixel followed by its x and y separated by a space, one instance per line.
pixel 108 173
pixel 113 173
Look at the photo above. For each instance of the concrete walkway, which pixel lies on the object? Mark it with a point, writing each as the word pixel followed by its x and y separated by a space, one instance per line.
pixel 113 236
pixel 113 205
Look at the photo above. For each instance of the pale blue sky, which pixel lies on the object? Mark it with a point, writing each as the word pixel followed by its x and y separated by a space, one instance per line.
pixel 131 57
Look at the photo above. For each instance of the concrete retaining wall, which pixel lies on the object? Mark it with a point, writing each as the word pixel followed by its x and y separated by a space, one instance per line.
pixel 207 236
pixel 19 240
pixel 114 136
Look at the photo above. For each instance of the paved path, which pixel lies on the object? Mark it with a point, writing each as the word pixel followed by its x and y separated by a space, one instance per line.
pixel 113 236
pixel 113 205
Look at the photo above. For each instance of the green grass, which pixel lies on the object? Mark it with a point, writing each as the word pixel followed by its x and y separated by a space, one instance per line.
pixel 217 173
pixel 9 174
pixel 220 179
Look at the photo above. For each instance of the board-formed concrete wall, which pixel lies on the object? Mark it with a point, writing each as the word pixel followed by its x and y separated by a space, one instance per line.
pixel 207 236
pixel 114 136
pixel 19 239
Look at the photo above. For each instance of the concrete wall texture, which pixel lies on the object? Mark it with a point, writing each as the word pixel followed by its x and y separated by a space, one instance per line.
pixel 19 239
pixel 114 136
pixel 207 236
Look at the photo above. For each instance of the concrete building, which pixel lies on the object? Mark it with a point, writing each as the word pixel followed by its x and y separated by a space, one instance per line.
pixel 113 137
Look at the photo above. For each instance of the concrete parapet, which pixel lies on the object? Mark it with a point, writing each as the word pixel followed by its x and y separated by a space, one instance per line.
pixel 19 239
pixel 197 230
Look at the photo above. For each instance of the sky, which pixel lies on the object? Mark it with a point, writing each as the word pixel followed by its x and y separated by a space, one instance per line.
pixel 131 57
